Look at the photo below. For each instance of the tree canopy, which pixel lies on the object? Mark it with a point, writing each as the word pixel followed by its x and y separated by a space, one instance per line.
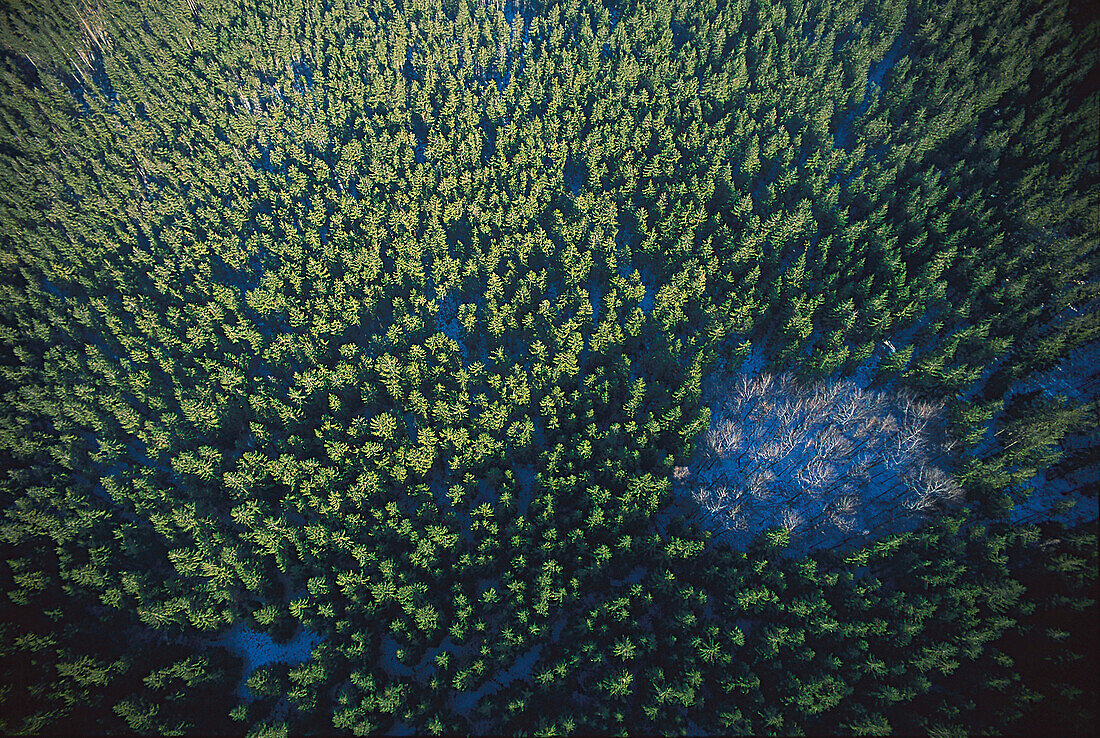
pixel 383 327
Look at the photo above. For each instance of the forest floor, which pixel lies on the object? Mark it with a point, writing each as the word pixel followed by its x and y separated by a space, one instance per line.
pixel 256 649
pixel 836 462
pixel 1069 498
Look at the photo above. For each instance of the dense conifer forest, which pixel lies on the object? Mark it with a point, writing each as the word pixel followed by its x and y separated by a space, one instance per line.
pixel 547 368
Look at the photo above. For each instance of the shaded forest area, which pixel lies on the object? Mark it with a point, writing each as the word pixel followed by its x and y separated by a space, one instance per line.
pixel 377 330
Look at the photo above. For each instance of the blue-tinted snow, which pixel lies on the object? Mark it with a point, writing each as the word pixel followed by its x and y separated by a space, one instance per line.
pixel 466 701
pixel 257 649
pixel 390 661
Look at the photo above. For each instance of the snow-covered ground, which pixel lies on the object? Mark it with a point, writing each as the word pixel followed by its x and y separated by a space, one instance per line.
pixel 837 463
pixel 1061 499
pixel 390 663
pixel 525 482
pixel 1071 498
pixel 1073 377
pixel 257 649
pixel 832 462
pixel 465 702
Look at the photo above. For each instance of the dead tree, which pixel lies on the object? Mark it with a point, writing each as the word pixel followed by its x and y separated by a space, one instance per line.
pixel 822 461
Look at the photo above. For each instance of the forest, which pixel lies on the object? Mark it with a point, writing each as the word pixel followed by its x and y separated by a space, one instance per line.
pixel 549 367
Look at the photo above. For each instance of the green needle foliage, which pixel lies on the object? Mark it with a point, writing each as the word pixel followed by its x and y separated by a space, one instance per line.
pixel 388 320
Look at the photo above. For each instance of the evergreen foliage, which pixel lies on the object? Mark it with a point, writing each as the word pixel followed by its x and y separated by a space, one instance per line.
pixel 389 320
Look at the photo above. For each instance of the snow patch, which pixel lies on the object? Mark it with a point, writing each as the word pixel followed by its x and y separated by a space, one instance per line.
pixel 832 463
pixel 465 702
pixel 256 649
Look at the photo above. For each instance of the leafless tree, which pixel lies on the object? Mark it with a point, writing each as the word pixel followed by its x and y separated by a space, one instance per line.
pixel 826 461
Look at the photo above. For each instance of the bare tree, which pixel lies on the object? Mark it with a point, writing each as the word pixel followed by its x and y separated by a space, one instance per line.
pixel 828 462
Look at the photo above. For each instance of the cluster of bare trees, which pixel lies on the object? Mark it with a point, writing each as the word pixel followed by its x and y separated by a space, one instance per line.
pixel 830 462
